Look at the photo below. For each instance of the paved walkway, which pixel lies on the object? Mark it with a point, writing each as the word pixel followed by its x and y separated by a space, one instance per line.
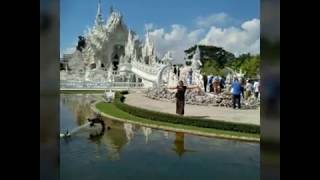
pixel 219 113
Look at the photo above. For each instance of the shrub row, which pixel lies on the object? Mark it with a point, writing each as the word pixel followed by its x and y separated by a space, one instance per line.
pixel 171 118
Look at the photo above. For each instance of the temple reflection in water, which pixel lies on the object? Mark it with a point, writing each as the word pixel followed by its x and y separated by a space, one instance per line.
pixel 120 133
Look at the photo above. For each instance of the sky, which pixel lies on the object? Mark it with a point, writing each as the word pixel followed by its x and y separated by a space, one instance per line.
pixel 174 25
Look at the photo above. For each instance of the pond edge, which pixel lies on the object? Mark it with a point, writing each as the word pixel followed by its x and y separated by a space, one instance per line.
pixel 224 136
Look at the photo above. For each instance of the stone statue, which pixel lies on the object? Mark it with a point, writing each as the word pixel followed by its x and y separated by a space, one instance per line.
pixel 81 43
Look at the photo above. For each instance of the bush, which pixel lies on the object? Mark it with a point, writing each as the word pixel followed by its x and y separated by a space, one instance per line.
pixel 171 118
pixel 124 92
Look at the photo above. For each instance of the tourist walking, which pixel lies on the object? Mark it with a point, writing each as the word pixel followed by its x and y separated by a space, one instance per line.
pixel 180 96
pixel 178 73
pixel 236 93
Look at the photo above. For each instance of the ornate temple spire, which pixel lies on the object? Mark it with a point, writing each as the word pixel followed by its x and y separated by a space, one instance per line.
pixel 111 9
pixel 196 55
pixel 149 43
pixel 129 35
pixel 99 19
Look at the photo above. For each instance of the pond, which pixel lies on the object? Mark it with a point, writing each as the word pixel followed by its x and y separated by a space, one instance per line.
pixel 128 151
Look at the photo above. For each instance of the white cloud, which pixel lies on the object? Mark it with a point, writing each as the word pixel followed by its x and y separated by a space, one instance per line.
pixel 214 19
pixel 70 50
pixel 237 40
pixel 176 40
pixel 149 26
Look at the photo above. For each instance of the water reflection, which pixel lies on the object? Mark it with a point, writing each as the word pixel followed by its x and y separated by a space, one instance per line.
pixel 115 139
pixel 80 106
pixel 129 130
pixel 130 149
pixel 147 132
pixel 179 146
pixel 166 134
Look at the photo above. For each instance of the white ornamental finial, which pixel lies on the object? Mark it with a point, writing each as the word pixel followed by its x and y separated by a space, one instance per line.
pixel 99 19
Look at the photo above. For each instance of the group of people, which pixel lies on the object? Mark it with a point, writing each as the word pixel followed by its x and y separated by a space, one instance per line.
pixel 214 83
pixel 239 89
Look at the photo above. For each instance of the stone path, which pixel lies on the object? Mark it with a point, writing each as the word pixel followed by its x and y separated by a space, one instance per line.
pixel 209 112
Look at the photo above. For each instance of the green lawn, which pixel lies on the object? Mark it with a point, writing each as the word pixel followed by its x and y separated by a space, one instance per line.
pixel 111 109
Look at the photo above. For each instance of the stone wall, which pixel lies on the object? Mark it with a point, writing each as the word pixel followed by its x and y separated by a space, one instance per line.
pixel 196 97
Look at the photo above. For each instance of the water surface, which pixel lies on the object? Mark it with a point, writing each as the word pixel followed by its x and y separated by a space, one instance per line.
pixel 128 151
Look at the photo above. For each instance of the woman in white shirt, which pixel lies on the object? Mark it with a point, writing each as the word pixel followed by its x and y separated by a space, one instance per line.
pixel 256 88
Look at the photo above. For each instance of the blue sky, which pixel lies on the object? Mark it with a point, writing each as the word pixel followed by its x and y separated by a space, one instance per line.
pixel 207 16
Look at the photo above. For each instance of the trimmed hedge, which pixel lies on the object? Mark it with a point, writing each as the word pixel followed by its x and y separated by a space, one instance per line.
pixel 171 118
pixel 124 92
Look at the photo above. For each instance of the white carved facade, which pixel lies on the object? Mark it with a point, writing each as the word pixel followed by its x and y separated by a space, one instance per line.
pixel 113 53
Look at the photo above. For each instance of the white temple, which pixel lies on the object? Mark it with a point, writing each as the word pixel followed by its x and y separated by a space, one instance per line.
pixel 114 56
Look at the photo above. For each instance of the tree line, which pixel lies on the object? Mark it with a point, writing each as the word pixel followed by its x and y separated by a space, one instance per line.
pixel 215 59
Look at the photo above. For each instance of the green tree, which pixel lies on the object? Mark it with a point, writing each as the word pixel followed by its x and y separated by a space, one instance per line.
pixel 212 67
pixel 251 66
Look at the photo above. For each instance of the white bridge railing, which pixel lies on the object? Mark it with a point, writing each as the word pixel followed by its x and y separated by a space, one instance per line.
pixel 98 85
pixel 146 68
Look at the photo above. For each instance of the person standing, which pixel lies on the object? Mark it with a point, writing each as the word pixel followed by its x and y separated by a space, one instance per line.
pixel 210 84
pixel 256 87
pixel 205 81
pixel 236 93
pixel 190 76
pixel 249 89
pixel 174 69
pixel 180 96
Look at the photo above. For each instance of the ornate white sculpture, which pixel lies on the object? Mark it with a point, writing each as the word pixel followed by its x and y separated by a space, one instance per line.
pixel 196 62
pixel 109 95
pixel 234 74
pixel 167 58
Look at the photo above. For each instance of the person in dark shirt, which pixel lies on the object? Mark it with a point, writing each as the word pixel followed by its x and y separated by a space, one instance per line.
pixel 210 84
pixel 174 69
pixel 205 81
pixel 180 96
